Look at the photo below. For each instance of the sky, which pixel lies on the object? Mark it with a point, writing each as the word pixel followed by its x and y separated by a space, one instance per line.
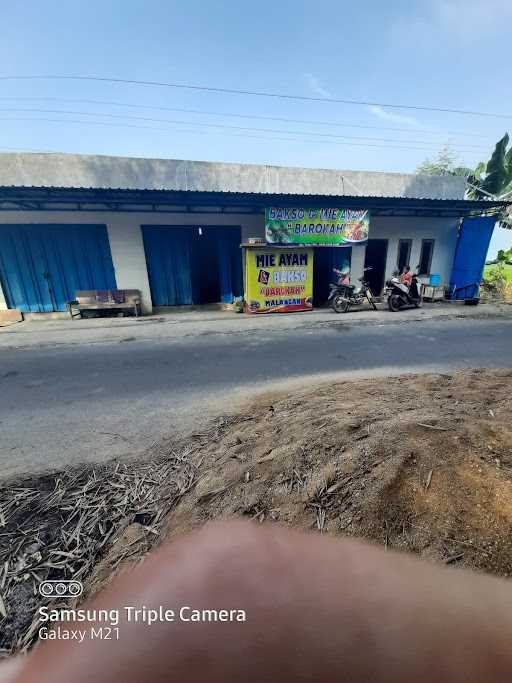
pixel 450 54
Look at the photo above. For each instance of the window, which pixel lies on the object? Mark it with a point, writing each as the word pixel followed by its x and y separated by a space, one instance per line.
pixel 427 249
pixel 404 254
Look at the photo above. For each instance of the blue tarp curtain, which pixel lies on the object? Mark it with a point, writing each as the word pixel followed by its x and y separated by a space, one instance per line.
pixel 471 251
pixel 42 266
pixel 193 265
pixel 325 259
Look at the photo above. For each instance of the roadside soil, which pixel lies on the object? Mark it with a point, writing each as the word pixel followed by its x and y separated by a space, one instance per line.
pixel 420 463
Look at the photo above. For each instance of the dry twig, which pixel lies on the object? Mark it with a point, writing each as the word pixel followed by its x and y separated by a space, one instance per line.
pixel 61 526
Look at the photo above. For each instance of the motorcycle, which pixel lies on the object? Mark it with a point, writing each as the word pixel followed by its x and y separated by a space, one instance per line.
pixel 400 296
pixel 343 296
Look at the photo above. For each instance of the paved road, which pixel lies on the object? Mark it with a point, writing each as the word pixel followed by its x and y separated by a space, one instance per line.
pixel 88 402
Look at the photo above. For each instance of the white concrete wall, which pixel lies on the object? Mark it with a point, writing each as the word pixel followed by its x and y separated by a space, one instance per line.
pixel 443 231
pixel 125 236
pixel 357 262
pixel 251 225
pixel 127 248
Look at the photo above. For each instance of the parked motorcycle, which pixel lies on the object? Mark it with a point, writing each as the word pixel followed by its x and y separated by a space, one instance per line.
pixel 343 296
pixel 400 296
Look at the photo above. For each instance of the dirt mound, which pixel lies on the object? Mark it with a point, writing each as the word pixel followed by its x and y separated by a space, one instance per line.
pixel 420 463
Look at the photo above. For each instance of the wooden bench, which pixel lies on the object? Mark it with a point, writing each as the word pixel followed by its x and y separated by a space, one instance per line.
pixel 105 299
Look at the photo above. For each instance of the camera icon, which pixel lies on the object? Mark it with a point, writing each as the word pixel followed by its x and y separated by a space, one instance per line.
pixel 61 589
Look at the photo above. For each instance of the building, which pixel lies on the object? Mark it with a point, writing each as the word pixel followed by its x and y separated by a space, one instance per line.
pixel 173 229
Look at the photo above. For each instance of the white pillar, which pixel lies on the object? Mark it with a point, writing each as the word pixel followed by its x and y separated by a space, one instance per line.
pixel 391 258
pixel 3 302
pixel 414 259
pixel 357 262
pixel 127 248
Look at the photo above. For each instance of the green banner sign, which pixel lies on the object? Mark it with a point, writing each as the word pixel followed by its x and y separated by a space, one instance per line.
pixel 323 227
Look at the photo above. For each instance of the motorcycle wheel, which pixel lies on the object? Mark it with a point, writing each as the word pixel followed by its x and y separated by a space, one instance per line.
pixel 340 304
pixel 394 303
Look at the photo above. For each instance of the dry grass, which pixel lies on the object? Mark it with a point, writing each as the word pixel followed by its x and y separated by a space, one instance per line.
pixel 60 526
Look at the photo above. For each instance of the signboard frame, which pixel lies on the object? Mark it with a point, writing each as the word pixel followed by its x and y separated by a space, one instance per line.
pixel 278 279
pixel 312 227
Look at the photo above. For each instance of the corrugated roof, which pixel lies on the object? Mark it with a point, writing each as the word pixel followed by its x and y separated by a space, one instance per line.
pixel 179 201
pixel 72 171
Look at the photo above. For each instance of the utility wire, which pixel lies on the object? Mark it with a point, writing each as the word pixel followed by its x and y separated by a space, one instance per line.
pixel 257 93
pixel 226 126
pixel 221 132
pixel 244 116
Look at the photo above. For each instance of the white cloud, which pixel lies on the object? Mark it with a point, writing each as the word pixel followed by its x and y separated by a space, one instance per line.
pixel 316 86
pixel 457 21
pixel 471 16
pixel 387 115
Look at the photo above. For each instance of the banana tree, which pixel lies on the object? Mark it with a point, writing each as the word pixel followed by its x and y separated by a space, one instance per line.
pixel 494 179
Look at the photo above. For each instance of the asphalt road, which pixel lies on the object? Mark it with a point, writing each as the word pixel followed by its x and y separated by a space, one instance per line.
pixel 84 402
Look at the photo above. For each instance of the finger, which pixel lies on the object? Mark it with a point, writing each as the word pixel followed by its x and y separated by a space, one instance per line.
pixel 316 608
pixel 10 668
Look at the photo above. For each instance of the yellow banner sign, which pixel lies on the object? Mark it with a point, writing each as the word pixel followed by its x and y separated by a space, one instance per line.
pixel 278 280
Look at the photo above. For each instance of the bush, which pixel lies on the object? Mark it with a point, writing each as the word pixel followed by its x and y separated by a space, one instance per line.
pixel 497 280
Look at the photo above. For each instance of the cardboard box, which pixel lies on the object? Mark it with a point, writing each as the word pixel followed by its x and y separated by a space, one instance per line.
pixel 11 315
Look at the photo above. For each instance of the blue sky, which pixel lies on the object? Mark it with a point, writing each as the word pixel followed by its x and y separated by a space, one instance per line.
pixel 441 53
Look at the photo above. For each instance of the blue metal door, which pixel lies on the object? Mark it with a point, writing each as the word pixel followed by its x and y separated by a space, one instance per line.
pixel 471 251
pixel 42 266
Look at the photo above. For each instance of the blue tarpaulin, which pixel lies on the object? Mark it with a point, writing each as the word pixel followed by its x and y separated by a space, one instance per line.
pixel 470 254
pixel 325 259
pixel 193 265
pixel 42 266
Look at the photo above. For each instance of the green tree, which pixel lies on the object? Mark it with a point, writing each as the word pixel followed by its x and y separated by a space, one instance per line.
pixel 505 256
pixel 493 180
pixel 444 164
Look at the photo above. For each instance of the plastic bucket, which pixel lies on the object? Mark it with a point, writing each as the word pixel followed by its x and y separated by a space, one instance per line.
pixel 435 280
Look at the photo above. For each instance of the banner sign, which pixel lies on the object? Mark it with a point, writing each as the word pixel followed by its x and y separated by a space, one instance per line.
pixel 319 227
pixel 278 280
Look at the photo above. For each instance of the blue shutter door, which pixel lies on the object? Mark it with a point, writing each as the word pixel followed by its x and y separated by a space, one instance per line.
pixel 42 266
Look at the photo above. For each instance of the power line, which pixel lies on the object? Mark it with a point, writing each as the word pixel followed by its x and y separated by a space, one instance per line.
pixel 245 135
pixel 258 93
pixel 221 132
pixel 223 126
pixel 244 116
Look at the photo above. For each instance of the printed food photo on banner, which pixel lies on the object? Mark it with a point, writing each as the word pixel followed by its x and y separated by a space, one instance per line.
pixel 316 227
